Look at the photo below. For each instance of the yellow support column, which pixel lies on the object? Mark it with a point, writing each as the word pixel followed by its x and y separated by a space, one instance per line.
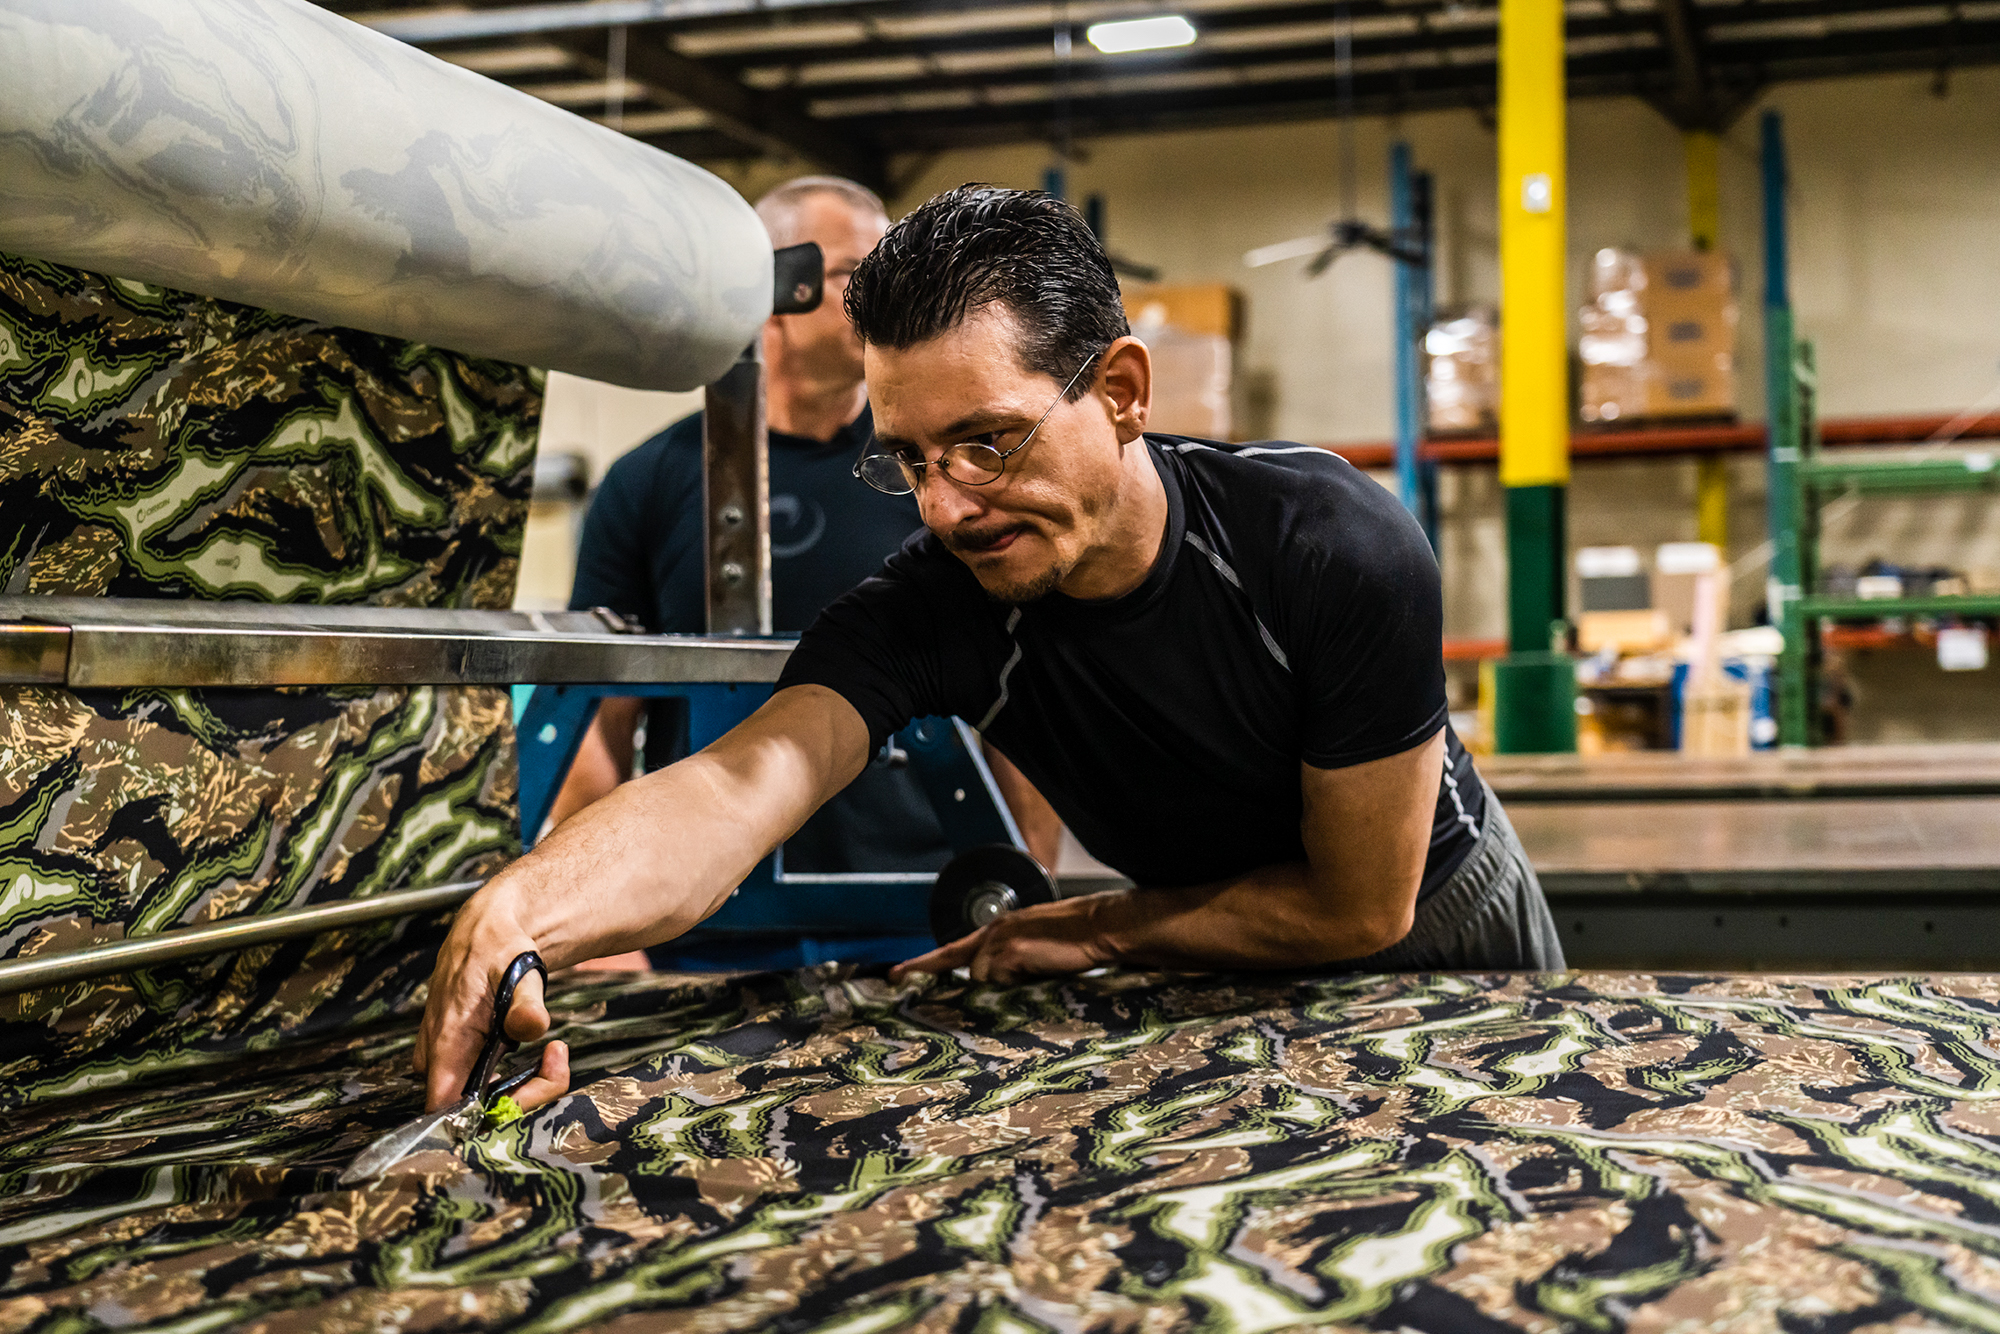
pixel 1535 685
pixel 1704 187
pixel 1711 500
pixel 1704 224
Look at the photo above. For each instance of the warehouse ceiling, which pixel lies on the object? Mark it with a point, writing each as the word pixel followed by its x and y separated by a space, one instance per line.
pixel 847 84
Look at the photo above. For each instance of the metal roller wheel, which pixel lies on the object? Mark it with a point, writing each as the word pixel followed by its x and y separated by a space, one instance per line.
pixel 982 884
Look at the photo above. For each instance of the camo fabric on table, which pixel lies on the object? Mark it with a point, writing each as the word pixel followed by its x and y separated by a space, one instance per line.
pixel 1123 1152
pixel 157 444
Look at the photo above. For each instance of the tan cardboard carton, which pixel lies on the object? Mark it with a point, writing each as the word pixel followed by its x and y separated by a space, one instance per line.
pixel 1658 337
pixel 1189 332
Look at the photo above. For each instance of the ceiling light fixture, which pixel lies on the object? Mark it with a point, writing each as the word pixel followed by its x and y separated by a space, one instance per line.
pixel 1151 34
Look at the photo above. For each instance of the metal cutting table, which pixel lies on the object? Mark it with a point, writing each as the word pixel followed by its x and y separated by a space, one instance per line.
pixel 1866 857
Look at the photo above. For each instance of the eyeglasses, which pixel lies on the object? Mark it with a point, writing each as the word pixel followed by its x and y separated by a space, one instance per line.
pixel 970 462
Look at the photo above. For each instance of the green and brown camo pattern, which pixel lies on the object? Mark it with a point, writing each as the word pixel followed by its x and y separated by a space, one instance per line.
pixel 158 444
pixel 823 1151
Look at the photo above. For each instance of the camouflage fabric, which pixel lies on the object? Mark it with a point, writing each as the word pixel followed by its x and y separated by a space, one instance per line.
pixel 823 1151
pixel 158 444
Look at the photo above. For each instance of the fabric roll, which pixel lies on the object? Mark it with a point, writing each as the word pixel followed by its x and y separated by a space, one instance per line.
pixel 271 153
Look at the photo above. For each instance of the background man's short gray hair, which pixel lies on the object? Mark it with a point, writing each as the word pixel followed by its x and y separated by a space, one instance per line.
pixel 781 205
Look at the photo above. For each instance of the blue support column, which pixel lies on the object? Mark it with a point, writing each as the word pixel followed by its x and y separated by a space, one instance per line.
pixel 1426 312
pixel 1409 285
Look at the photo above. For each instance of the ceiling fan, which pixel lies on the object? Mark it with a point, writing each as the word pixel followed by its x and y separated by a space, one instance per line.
pixel 1348 231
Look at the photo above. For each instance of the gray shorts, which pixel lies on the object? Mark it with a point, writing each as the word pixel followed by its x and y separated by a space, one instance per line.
pixel 1489 916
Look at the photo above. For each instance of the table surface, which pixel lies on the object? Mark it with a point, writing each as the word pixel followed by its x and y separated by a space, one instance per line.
pixel 1831 770
pixel 1832 835
pixel 1612 1152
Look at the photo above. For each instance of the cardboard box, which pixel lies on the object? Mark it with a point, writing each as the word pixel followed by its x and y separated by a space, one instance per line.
pixel 1188 331
pixel 1199 308
pixel 1716 720
pixel 1641 631
pixel 1658 337
pixel 1677 278
pixel 1678 568
pixel 1462 373
pixel 1612 393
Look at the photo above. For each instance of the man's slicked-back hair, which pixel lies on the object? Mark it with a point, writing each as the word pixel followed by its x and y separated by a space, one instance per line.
pixel 982 245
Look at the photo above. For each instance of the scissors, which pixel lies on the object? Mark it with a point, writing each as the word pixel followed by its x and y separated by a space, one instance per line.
pixel 458 1121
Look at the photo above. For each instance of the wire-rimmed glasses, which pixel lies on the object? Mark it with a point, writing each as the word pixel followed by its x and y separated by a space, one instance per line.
pixel 968 462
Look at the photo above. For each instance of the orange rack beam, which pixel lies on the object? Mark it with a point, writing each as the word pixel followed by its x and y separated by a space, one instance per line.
pixel 1611 442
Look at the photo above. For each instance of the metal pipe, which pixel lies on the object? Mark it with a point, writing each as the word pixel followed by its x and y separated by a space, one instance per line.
pixel 1534 686
pixel 197 942
pixel 1785 502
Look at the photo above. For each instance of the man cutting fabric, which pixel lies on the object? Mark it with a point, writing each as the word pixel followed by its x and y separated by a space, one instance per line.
pixel 1220 665
pixel 641 556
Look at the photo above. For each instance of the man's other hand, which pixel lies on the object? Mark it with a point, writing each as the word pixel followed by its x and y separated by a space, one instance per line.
pixel 1044 940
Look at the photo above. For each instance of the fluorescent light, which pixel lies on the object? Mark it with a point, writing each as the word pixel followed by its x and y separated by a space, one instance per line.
pixel 1140 34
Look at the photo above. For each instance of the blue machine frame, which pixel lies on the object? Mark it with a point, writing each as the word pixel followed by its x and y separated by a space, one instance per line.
pixel 943 755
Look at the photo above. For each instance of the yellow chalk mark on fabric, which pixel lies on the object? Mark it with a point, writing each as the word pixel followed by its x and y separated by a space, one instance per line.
pixel 503 1110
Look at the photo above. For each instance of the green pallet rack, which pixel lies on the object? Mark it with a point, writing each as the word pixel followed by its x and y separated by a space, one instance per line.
pixel 1803 481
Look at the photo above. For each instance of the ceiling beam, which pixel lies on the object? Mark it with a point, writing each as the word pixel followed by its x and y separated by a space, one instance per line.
pixel 1871 51
pixel 1687 104
pixel 430 27
pixel 1083 75
pixel 886 40
pixel 1463 87
pixel 766 120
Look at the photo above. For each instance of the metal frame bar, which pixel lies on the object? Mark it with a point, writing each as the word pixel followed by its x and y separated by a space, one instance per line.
pixel 768 120
pixel 736 500
pixel 95 643
pixel 1931 923
pixel 1410 221
pixel 456 25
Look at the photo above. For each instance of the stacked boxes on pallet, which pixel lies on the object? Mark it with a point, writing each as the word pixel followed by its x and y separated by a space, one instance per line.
pixel 1659 336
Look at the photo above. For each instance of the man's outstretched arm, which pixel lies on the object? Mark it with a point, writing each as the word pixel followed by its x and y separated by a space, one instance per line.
pixel 639 867
pixel 1367 832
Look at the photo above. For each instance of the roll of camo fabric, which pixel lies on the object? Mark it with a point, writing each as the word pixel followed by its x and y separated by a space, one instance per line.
pixel 271 153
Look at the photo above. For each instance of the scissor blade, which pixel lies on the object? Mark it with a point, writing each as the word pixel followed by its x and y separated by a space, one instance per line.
pixel 454 1122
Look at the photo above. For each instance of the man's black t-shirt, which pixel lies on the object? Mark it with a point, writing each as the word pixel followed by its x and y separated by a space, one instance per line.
pixel 1294 614
pixel 641 556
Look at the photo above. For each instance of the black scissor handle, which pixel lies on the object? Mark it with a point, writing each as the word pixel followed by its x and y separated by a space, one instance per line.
pixel 497 1041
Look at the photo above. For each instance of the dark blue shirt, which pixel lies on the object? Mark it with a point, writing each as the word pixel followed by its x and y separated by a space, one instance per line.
pixel 641 556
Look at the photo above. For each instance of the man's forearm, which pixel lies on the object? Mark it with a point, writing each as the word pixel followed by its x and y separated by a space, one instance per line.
pixel 662 852
pixel 1275 917
pixel 644 864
